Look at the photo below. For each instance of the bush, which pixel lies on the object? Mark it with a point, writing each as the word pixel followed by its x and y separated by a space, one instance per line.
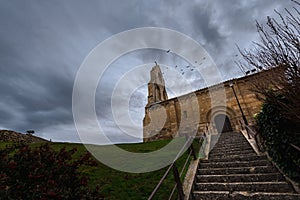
pixel 278 133
pixel 43 173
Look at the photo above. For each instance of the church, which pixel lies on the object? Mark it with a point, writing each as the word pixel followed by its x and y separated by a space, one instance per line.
pixel 222 107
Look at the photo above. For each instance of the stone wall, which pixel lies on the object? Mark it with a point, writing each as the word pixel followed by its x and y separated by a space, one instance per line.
pixel 194 111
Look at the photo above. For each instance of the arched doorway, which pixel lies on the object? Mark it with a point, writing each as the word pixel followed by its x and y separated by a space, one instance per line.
pixel 222 123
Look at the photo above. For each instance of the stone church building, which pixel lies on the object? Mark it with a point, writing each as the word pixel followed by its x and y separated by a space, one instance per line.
pixel 221 107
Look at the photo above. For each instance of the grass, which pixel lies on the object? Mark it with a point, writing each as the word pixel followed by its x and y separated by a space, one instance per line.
pixel 116 184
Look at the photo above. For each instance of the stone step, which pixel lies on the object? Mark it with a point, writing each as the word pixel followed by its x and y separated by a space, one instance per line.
pixel 229 156
pixel 230 146
pixel 230 133
pixel 234 136
pixel 271 177
pixel 236 158
pixel 232 156
pixel 232 149
pixel 246 186
pixel 230 152
pixel 240 195
pixel 238 170
pixel 230 140
pixel 238 135
pixel 236 150
pixel 234 171
pixel 234 164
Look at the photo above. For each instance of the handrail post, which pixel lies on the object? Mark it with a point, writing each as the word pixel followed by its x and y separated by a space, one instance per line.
pixel 179 184
pixel 247 130
pixel 193 151
pixel 244 125
pixel 175 173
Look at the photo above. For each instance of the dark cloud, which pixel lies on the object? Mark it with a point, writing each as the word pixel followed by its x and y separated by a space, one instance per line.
pixel 43 43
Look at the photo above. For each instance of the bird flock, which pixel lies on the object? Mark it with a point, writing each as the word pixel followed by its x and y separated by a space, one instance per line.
pixel 188 67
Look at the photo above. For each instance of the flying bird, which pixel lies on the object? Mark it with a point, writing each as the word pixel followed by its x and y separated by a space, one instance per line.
pixel 192 69
pixel 176 66
pixel 187 66
pixel 182 73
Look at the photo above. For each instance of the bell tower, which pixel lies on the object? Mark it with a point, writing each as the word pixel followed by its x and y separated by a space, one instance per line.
pixel 156 86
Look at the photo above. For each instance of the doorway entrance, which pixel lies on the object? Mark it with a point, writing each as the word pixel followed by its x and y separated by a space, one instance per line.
pixel 222 123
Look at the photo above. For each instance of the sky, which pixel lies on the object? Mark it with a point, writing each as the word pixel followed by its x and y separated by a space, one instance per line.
pixel 44 43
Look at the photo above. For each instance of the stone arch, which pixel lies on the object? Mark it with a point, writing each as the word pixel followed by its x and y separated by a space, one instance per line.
pixel 226 112
pixel 222 123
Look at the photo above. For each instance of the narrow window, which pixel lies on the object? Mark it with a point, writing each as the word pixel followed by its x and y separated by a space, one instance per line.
pixel 184 114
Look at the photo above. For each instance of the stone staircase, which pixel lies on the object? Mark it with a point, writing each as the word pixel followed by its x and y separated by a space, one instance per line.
pixel 234 171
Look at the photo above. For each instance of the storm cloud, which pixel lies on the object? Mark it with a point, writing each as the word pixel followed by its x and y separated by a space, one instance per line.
pixel 43 44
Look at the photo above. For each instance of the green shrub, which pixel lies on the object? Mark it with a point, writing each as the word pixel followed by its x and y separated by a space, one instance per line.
pixel 278 133
pixel 42 173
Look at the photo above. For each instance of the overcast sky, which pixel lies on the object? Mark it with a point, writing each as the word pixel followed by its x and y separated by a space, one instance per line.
pixel 43 44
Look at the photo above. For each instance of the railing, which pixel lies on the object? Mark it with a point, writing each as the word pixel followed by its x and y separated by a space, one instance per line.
pixel 176 174
pixel 294 146
pixel 248 129
pixel 258 139
pixel 207 135
pixel 254 134
pixel 298 149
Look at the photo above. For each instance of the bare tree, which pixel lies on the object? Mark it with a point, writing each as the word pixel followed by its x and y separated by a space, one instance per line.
pixel 278 51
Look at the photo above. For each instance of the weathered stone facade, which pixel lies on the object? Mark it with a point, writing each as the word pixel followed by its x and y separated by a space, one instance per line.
pixel 215 105
pixel 156 86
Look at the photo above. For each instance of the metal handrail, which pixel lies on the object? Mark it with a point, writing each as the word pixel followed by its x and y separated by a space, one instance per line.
pixel 176 174
pixel 182 170
pixel 249 129
pixel 254 135
pixel 260 145
pixel 298 149
pixel 295 147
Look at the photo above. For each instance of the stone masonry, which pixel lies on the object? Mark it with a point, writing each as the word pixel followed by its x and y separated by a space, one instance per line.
pixel 235 171
pixel 168 118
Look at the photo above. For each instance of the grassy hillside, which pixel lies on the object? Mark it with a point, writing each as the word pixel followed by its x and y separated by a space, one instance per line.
pixel 120 185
